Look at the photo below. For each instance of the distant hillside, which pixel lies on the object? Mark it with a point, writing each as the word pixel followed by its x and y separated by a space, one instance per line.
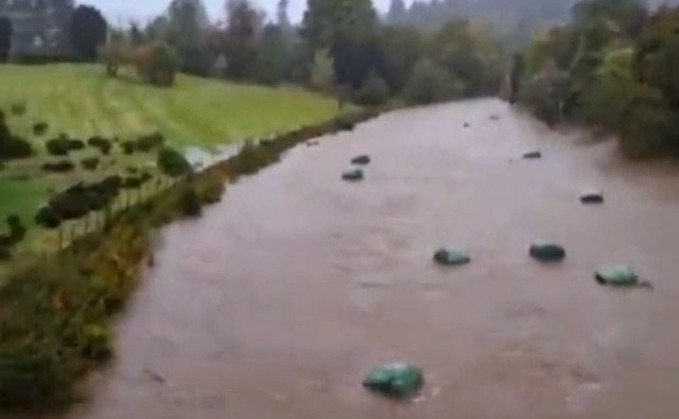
pixel 514 20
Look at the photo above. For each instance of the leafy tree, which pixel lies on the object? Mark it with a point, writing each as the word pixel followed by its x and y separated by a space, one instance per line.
pixel 374 91
pixel 325 20
pixel 156 64
pixel 242 37
pixel 173 163
pixel 430 83
pixel 273 56
pixel 5 38
pixel 400 48
pixel 88 31
pixel 321 72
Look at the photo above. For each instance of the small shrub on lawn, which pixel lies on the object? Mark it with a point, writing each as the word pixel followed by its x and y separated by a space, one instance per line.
pixel 63 166
pixel 173 163
pixel 149 142
pixel 40 128
pixel 90 163
pixel 17 108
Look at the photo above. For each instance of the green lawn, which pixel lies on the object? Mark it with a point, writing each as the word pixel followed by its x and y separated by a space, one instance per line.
pixel 82 101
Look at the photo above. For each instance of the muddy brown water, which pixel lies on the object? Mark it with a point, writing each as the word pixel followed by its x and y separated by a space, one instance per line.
pixel 279 299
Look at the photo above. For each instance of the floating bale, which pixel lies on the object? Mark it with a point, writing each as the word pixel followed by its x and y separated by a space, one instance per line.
pixel 353 174
pixel 311 143
pixel 398 380
pixel 466 125
pixel 546 251
pixel 495 117
pixel 592 197
pixel 451 257
pixel 361 160
pixel 619 276
pixel 534 154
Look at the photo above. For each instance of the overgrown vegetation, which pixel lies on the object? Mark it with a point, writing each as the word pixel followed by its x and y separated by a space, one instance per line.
pixel 57 323
pixel 612 67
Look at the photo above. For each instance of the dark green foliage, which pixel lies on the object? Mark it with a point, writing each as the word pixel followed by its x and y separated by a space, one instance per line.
pixel 90 163
pixel 546 95
pixel 157 64
pixel 150 141
pixel 78 200
pixel 12 147
pixel 16 234
pixel 40 128
pixel 17 109
pixel 190 203
pixel 173 163
pixel 63 166
pixel 373 92
pixel 5 38
pixel 127 147
pixel 430 83
pixel 63 145
pixel 104 145
pixel 88 31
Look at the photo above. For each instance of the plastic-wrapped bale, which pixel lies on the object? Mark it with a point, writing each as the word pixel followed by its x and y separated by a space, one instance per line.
pixel 592 196
pixel 399 380
pixel 361 160
pixel 451 257
pixel 618 276
pixel 546 251
pixel 534 154
pixel 353 174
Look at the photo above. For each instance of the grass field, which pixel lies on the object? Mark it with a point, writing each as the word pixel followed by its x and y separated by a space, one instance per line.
pixel 81 101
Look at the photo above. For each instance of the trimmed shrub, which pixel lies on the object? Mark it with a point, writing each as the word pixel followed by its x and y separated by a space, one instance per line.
pixel 16 148
pixel 58 146
pixel 150 141
pixel 63 166
pixel 18 108
pixel 40 128
pixel 102 144
pixel 90 163
pixel 373 92
pixel 127 147
pixel 173 163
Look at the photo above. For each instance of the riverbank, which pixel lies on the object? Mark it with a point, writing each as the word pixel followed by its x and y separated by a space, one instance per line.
pixel 57 311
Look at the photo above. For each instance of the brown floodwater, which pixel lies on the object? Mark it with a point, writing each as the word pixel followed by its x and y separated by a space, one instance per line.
pixel 279 299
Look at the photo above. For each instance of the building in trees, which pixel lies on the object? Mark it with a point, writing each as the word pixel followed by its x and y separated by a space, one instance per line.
pixel 39 27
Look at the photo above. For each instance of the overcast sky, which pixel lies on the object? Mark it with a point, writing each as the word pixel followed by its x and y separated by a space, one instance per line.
pixel 118 11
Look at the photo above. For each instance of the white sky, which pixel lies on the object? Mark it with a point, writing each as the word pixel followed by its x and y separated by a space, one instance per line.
pixel 119 11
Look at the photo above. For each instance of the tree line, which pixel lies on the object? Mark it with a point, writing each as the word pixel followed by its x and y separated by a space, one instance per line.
pixel 340 47
pixel 612 67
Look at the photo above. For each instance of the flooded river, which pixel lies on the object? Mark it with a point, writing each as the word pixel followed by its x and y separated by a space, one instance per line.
pixel 279 299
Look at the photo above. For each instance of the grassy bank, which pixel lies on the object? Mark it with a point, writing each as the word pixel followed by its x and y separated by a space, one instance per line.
pixel 81 101
pixel 56 314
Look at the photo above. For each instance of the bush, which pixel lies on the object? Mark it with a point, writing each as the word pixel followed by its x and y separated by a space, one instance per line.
pixel 173 163
pixel 102 144
pixel 430 83
pixel 649 127
pixel 16 148
pixel 59 146
pixel 96 342
pixel 373 92
pixel 545 94
pixel 127 147
pixel 156 64
pixel 63 166
pixel 90 163
pixel 12 147
pixel 150 141
pixel 40 128
pixel 17 109
pixel 189 202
